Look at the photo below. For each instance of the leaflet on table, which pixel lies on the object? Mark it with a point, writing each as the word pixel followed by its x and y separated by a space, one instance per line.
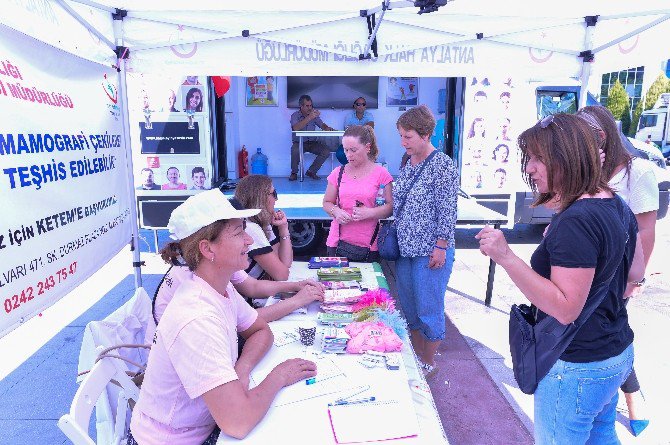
pixel 318 262
pixel 339 274
pixel 334 285
pixel 342 295
pixel 329 378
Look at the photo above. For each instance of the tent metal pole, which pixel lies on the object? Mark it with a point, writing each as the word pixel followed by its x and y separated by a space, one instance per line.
pixel 123 95
pixel 95 5
pixel 632 33
pixel 373 35
pixel 87 25
pixel 225 35
pixel 587 59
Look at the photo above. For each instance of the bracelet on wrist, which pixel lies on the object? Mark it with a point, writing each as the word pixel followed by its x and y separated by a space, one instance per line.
pixel 285 237
pixel 440 247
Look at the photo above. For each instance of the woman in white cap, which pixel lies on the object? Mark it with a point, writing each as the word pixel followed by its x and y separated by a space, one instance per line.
pixel 195 384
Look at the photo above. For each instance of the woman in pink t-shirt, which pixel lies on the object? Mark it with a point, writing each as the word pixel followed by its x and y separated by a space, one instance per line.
pixel 195 385
pixel 354 211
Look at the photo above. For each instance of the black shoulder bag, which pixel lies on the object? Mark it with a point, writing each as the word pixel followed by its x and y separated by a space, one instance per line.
pixel 345 249
pixel 388 233
pixel 536 346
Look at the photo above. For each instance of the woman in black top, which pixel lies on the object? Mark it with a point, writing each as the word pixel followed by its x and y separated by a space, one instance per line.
pixel 589 252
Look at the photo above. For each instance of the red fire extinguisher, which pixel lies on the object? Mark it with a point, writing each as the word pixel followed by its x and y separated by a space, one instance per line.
pixel 243 163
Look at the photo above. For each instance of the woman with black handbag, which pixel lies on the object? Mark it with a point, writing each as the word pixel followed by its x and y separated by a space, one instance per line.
pixel 424 209
pixel 576 281
pixel 358 195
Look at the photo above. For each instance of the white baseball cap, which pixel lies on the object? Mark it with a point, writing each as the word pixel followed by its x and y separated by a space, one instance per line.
pixel 201 210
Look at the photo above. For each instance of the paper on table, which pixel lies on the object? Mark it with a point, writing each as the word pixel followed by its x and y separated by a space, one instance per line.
pixel 373 421
pixel 329 380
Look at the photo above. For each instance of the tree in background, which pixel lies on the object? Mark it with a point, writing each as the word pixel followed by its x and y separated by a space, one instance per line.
pixel 618 103
pixel 637 112
pixel 660 85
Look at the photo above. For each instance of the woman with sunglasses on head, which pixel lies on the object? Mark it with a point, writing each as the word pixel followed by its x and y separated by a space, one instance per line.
pixel 351 192
pixel 305 291
pixel 590 252
pixel 360 115
pixel 270 254
pixel 634 180
pixel 196 385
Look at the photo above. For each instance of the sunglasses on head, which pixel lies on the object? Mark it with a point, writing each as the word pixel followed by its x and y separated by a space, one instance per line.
pixel 360 104
pixel 546 121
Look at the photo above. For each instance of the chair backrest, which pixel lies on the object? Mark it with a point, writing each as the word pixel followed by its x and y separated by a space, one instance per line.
pixel 75 423
pixel 132 323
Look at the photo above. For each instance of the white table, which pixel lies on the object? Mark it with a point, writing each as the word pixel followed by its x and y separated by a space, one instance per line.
pixel 304 134
pixel 306 421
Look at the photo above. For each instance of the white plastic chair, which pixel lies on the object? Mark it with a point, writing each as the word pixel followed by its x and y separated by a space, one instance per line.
pixel 130 325
pixel 75 424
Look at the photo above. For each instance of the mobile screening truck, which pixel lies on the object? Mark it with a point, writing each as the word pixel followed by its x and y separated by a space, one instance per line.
pixel 654 125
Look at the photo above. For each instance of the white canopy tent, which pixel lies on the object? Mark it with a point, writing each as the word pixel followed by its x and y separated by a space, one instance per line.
pixel 328 38
pixel 570 39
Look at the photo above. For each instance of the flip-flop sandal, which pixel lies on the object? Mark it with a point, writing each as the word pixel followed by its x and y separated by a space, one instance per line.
pixel 429 370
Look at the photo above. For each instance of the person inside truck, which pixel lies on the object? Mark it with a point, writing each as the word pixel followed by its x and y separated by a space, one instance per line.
pixel 590 252
pixel 307 118
pixel 196 384
pixel 634 180
pixel 360 115
pixel 271 255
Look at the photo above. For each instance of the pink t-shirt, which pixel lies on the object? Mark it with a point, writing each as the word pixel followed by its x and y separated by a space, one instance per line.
pixel 364 190
pixel 194 351
pixel 173 279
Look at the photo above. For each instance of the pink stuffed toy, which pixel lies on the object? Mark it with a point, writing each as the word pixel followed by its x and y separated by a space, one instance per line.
pixel 371 336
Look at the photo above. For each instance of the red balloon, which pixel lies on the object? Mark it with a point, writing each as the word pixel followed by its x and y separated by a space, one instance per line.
pixel 221 85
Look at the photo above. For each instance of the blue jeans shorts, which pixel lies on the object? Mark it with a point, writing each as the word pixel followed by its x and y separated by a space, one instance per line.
pixel 575 403
pixel 421 293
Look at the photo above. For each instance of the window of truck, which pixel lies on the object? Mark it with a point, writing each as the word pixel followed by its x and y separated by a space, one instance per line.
pixel 648 120
pixel 552 102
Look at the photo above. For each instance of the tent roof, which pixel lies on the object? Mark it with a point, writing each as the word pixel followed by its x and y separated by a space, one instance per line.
pixel 292 37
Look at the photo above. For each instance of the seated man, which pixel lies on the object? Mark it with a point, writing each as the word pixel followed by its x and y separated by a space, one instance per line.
pixel 360 115
pixel 307 119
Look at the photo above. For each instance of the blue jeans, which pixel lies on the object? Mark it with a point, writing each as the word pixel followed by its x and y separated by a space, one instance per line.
pixel 421 293
pixel 575 403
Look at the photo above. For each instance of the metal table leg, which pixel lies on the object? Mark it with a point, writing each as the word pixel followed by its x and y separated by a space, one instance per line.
pixel 302 159
pixel 492 273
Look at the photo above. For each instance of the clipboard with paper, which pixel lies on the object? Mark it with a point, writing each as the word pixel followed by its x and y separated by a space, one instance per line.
pixel 373 421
